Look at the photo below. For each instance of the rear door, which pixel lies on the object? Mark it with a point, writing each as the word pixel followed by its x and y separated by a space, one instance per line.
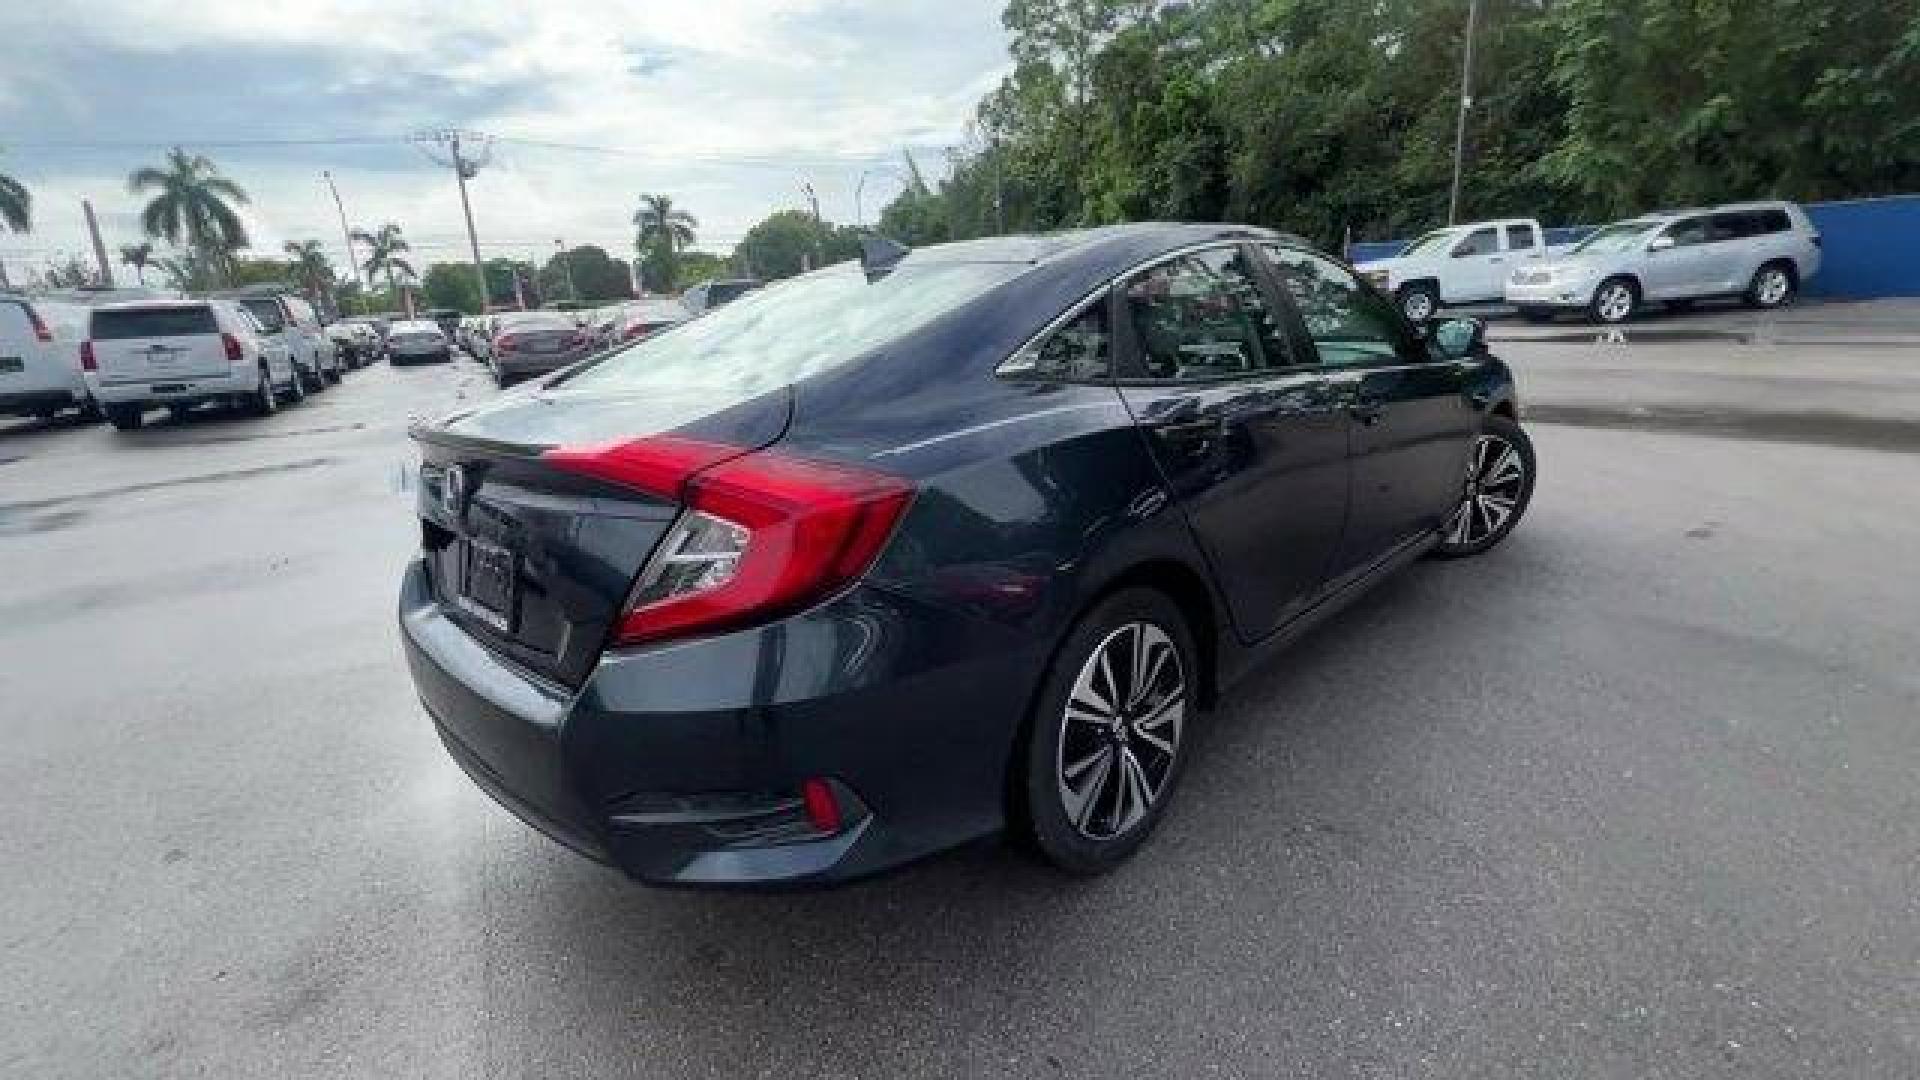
pixel 1412 423
pixel 157 344
pixel 1248 434
pixel 1524 244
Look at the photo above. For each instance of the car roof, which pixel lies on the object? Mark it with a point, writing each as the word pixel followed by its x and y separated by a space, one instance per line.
pixel 149 305
pixel 425 324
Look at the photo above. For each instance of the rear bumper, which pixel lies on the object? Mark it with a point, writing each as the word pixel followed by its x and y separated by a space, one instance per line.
pixel 241 382
pixel 409 353
pixel 682 764
pixel 512 363
pixel 34 402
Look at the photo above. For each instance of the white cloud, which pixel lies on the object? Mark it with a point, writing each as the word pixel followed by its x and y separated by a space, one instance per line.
pixel 726 104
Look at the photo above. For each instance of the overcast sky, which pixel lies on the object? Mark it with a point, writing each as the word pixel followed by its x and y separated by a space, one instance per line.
pixel 727 105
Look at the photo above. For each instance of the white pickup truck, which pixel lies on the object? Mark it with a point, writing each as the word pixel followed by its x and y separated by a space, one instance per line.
pixel 1462 264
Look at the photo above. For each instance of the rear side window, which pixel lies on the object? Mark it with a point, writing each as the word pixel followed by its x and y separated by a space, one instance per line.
pixel 1081 351
pixel 1202 316
pixel 1521 237
pixel 1771 221
pixel 110 325
pixel 1478 242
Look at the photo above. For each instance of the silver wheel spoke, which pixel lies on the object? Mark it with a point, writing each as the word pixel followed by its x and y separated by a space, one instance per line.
pixel 1169 709
pixel 1457 531
pixel 1496 514
pixel 1135 793
pixel 1505 469
pixel 1153 740
pixel 1081 798
pixel 1144 686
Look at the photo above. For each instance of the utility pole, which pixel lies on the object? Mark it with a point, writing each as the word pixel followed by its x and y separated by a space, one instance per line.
pixel 1466 105
pixel 443 147
pixel 99 249
pixel 346 237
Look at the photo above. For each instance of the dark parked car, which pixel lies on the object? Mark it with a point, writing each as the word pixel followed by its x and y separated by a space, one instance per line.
pixel 532 343
pixel 889 557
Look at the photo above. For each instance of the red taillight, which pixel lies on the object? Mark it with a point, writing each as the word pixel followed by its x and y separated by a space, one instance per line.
pixel 640 330
pixel 232 345
pixel 87 362
pixel 506 341
pixel 762 535
pixel 823 810
pixel 40 330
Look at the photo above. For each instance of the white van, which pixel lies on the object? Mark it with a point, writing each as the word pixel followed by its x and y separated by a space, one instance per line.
pixel 183 353
pixel 40 358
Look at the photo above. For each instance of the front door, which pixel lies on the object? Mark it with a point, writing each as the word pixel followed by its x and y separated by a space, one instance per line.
pixel 1684 268
pixel 1478 268
pixel 1412 422
pixel 1247 432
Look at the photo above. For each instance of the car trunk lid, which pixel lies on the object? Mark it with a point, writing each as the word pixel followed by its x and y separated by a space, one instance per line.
pixel 534 561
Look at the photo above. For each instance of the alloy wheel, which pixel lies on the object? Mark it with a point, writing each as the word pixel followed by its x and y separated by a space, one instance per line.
pixel 1417 305
pixel 1615 302
pixel 1120 731
pixel 1773 287
pixel 1496 476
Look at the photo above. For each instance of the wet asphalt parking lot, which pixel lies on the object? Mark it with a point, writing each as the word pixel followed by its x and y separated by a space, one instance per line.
pixel 1634 796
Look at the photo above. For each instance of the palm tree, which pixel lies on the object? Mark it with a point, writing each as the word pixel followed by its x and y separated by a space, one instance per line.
pixel 383 253
pixel 16 205
pixel 312 269
pixel 16 211
pixel 190 204
pixel 663 232
pixel 139 256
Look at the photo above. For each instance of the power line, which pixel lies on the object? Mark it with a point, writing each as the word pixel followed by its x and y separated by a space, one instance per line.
pixel 770 159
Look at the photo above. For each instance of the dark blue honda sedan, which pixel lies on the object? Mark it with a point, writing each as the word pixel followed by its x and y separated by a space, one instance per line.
pixel 898 554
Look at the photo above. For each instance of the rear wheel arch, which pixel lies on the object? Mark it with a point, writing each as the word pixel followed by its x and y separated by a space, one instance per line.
pixel 1188 589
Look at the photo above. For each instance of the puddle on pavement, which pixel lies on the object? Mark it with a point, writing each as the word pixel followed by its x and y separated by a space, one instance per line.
pixel 1824 429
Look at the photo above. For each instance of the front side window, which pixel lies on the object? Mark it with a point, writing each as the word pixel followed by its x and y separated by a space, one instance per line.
pixel 1690 231
pixel 1478 242
pixel 1200 317
pixel 1350 324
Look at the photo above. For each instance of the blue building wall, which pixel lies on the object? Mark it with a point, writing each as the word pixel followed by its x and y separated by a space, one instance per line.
pixel 1872 247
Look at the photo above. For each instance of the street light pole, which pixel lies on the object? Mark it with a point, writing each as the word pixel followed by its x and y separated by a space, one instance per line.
pixel 1466 105
pixel 346 235
pixel 566 264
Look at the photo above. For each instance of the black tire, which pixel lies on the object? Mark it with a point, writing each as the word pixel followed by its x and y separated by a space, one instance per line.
pixel 126 417
pixel 1044 819
pixel 1773 286
pixel 317 383
pixel 1537 314
pixel 296 387
pixel 335 372
pixel 179 410
pixel 1615 301
pixel 1419 302
pixel 265 401
pixel 1471 529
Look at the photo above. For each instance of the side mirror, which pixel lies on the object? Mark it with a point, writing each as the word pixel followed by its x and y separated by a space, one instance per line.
pixel 1660 243
pixel 1457 339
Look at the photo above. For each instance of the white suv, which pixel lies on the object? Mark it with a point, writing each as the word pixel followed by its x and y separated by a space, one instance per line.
pixel 294 322
pixel 40 358
pixel 183 353
pixel 1762 252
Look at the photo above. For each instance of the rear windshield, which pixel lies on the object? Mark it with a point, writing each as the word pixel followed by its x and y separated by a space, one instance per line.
pixel 722 292
pixel 152 322
pixel 785 332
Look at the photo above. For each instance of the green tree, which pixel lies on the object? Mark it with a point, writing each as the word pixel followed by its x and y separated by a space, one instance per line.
pixel 662 232
pixel 139 256
pixel 501 275
pixel 698 266
pixel 67 272
pixel 384 249
pixel 789 241
pixel 451 285
pixel 192 204
pixel 312 269
pixel 596 277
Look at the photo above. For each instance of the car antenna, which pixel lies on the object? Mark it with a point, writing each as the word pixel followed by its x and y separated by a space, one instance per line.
pixel 879 255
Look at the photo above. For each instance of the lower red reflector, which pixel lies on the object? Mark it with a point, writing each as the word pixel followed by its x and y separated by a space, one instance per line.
pixel 823 810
